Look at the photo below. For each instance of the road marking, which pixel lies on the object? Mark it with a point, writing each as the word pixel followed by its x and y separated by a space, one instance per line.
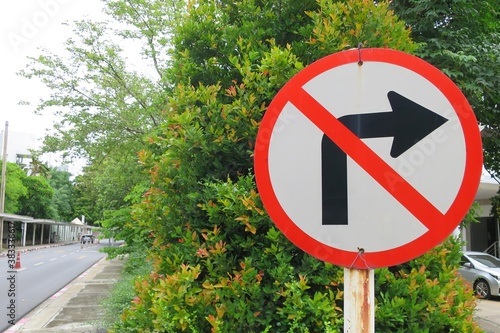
pixel 40 263
pixel 21 269
pixel 63 256
pixel 53 259
pixel 82 257
pixel 18 325
pixel 59 293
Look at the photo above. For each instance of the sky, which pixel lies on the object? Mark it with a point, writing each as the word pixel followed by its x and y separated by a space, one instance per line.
pixel 25 27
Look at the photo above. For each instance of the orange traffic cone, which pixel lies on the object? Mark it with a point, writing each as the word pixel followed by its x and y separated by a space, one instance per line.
pixel 18 261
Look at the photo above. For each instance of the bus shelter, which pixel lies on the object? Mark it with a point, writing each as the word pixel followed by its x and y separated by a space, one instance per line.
pixel 41 231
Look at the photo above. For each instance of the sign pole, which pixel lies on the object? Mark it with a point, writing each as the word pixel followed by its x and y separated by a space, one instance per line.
pixel 359 300
pixel 4 181
pixel 324 119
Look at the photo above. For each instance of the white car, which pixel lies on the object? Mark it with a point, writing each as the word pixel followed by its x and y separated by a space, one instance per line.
pixel 87 239
pixel 483 272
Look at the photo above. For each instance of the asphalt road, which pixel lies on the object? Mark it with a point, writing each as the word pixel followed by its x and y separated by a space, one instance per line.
pixel 43 273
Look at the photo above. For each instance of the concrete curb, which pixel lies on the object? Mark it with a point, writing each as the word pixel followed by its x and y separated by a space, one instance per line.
pixel 35 247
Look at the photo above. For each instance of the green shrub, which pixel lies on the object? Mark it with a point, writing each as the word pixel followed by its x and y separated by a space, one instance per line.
pixel 426 294
pixel 279 288
pixel 219 264
pixel 275 286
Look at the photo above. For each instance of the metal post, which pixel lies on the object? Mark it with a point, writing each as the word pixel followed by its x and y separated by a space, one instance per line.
pixel 4 181
pixel 25 229
pixel 34 234
pixel 359 300
pixel 41 236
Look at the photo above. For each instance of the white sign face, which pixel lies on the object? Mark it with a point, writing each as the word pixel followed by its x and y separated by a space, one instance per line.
pixel 372 156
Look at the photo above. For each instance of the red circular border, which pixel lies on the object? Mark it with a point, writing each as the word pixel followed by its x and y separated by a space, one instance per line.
pixel 415 248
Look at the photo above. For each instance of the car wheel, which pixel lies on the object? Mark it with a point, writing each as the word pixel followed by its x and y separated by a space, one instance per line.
pixel 482 289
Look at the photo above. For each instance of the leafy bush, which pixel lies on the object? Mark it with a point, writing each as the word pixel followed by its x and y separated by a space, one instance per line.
pixel 219 263
pixel 274 286
pixel 426 294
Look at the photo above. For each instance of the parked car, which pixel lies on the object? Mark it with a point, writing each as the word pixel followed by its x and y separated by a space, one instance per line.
pixel 87 239
pixel 483 272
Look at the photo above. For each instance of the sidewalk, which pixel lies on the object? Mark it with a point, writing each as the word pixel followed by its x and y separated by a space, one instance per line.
pixel 488 315
pixel 29 248
pixel 75 308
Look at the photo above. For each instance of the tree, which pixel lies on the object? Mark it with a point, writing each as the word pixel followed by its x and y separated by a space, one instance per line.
pixel 467 53
pixel 64 194
pixel 106 187
pixel 37 167
pixel 110 107
pixel 37 202
pixel 106 105
pixel 86 196
pixel 15 188
pixel 28 195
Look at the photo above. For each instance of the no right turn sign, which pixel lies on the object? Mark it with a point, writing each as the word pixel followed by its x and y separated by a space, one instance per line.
pixel 383 157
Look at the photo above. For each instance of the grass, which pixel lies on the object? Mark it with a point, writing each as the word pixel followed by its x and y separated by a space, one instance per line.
pixel 123 292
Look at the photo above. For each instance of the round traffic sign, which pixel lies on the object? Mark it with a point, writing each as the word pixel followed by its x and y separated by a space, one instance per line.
pixel 368 158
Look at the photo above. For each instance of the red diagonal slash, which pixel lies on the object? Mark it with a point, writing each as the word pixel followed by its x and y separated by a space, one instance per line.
pixel 375 166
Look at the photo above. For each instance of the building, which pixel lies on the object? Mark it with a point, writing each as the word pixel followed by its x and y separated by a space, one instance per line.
pixel 485 235
pixel 18 146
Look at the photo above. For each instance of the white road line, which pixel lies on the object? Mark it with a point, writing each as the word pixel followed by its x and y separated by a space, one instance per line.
pixel 39 263
pixel 63 256
pixel 21 269
pixel 53 259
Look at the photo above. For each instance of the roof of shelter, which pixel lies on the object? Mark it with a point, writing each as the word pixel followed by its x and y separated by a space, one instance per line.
pixel 28 219
pixel 77 221
pixel 14 217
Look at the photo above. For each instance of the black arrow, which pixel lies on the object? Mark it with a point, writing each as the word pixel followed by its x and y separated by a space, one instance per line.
pixel 407 123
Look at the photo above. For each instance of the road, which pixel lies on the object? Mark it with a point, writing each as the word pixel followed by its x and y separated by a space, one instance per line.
pixel 43 273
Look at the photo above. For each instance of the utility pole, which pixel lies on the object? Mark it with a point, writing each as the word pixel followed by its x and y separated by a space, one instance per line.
pixel 4 180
